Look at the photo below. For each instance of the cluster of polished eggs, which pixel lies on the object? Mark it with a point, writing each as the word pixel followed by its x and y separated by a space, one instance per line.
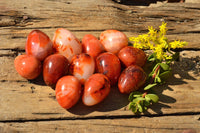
pixel 86 68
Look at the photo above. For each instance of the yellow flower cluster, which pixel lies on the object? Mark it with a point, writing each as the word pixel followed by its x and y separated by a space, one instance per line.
pixel 177 44
pixel 156 41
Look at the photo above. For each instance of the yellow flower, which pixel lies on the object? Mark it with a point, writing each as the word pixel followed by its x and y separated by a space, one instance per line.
pixel 163 28
pixel 177 44
pixel 159 52
pixel 163 41
pixel 152 31
pixel 168 57
pixel 157 42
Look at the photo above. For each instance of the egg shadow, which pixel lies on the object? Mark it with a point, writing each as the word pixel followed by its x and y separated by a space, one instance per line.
pixel 38 81
pixel 114 101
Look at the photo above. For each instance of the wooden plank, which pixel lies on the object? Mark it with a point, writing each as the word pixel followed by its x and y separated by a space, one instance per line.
pixel 164 124
pixel 31 106
pixel 19 18
pixel 19 101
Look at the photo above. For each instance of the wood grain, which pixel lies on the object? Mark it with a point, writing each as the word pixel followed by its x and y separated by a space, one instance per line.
pixel 133 125
pixel 30 106
pixel 31 100
pixel 17 19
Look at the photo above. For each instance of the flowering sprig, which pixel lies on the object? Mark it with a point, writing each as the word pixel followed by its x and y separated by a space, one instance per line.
pixel 161 59
pixel 158 42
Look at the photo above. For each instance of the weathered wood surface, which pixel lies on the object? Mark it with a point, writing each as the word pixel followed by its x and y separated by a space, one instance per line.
pixel 166 124
pixel 19 18
pixel 25 106
pixel 19 101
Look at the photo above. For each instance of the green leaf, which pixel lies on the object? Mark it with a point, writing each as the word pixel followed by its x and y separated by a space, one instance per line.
pixel 140 109
pixel 149 86
pixel 153 97
pixel 136 100
pixel 165 75
pixel 164 66
pixel 148 99
pixel 157 79
pixel 134 95
pixel 132 106
pixel 134 109
pixel 151 58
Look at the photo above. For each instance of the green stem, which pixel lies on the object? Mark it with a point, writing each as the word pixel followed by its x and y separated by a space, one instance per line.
pixel 152 79
pixel 144 94
pixel 155 73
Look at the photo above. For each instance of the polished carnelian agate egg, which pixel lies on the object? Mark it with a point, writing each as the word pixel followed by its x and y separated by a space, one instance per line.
pixel 131 79
pixel 132 56
pixel 91 45
pixel 38 44
pixel 96 89
pixel 82 66
pixel 54 67
pixel 65 43
pixel 113 40
pixel 68 91
pixel 109 64
pixel 28 66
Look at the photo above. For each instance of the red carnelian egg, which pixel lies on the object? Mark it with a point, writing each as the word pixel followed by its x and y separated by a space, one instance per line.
pixel 54 67
pixel 82 66
pixel 132 56
pixel 38 44
pixel 65 43
pixel 96 89
pixel 28 66
pixel 113 40
pixel 91 45
pixel 131 79
pixel 68 91
pixel 109 64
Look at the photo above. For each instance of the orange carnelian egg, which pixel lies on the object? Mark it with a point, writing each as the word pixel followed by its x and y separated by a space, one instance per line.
pixel 132 56
pixel 109 65
pixel 82 66
pixel 91 45
pixel 38 44
pixel 131 79
pixel 54 67
pixel 68 91
pixel 28 66
pixel 96 89
pixel 113 40
pixel 65 43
